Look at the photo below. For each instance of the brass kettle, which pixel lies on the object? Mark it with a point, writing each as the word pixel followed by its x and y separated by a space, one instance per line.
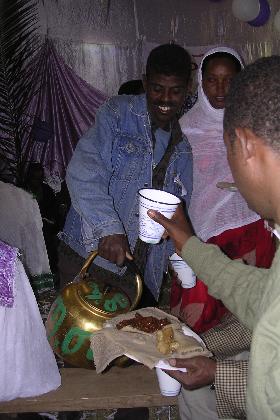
pixel 81 308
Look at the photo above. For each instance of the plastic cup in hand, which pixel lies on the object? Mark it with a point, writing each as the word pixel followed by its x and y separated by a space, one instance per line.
pixel 162 201
pixel 184 273
pixel 168 386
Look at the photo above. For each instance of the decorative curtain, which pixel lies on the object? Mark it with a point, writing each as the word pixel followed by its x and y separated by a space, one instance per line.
pixel 104 66
pixel 60 112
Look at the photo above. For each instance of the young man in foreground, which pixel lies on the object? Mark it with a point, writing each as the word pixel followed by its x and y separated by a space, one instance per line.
pixel 252 138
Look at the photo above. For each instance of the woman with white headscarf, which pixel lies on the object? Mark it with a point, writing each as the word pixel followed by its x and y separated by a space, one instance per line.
pixel 219 216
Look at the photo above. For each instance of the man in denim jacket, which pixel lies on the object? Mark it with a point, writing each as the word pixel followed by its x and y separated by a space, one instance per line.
pixel 135 142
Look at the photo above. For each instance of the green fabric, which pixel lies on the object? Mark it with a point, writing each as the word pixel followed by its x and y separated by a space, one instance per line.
pixel 253 295
pixel 42 282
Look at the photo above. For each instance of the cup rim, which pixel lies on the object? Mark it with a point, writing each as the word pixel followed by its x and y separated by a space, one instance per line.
pixel 156 201
pixel 176 258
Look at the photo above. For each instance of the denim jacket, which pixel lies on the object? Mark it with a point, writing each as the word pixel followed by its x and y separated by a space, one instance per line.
pixel 112 161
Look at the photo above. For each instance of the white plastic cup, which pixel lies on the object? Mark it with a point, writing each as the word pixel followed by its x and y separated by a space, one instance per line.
pixel 185 274
pixel 162 201
pixel 169 387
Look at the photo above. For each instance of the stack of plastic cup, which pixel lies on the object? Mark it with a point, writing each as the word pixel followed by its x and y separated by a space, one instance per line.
pixel 184 273
pixel 168 386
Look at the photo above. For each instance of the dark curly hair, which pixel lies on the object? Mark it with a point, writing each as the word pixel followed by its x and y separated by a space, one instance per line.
pixel 253 101
pixel 170 60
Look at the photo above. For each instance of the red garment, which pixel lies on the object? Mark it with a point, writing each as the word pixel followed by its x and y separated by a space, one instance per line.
pixel 195 306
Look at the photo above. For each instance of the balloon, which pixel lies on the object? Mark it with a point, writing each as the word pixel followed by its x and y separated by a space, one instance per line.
pixel 277 21
pixel 246 10
pixel 263 15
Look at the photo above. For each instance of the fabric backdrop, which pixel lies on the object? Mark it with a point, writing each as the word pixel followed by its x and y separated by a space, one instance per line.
pixel 61 111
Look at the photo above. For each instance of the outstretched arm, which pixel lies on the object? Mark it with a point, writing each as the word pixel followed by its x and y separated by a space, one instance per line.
pixel 239 286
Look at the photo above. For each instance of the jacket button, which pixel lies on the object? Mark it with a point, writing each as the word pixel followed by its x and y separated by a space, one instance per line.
pixel 130 148
pixel 146 184
pixel 136 214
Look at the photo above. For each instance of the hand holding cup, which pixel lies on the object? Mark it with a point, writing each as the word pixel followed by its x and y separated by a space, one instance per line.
pixel 201 371
pixel 178 228
pixel 150 231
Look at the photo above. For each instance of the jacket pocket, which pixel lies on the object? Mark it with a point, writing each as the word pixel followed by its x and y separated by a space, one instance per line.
pixel 128 157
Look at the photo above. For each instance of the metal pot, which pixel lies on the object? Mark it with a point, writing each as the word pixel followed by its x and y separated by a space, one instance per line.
pixel 81 308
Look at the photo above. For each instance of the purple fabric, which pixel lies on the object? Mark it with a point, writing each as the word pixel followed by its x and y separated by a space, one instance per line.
pixel 8 256
pixel 59 114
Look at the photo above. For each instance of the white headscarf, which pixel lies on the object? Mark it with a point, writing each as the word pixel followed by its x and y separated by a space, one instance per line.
pixel 212 210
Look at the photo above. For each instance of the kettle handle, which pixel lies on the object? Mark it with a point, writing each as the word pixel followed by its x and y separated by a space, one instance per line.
pixel 139 284
pixel 82 274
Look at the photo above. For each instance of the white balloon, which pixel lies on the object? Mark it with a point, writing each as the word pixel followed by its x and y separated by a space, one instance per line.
pixel 276 21
pixel 245 10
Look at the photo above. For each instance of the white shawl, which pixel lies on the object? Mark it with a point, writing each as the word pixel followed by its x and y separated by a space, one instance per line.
pixel 212 210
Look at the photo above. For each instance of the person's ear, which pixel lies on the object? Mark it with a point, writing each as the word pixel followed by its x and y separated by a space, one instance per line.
pixel 246 142
pixel 144 81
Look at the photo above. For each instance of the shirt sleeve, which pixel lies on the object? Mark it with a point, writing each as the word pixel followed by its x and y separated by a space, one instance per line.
pixel 228 338
pixel 89 173
pixel 230 386
pixel 239 286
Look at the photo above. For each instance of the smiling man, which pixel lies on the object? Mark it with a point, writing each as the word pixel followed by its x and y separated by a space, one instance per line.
pixel 136 142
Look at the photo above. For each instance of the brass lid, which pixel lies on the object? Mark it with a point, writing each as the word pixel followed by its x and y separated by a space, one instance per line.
pixel 104 297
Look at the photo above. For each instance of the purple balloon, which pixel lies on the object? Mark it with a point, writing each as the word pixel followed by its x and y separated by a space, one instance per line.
pixel 263 15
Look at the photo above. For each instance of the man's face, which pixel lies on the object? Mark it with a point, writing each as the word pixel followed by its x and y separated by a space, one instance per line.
pixel 165 97
pixel 216 80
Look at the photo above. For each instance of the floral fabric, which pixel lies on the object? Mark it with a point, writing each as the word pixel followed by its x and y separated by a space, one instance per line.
pixel 8 256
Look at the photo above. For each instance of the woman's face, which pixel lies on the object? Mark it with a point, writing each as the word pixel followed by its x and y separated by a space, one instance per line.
pixel 216 80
